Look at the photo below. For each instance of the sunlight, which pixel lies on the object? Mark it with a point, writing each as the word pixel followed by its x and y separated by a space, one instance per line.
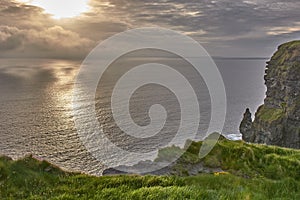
pixel 61 9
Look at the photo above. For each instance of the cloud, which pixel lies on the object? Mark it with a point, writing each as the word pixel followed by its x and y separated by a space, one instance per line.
pixel 23 16
pixel 224 27
pixel 53 42
pixel 9 38
pixel 280 30
pixel 27 31
pixel 95 29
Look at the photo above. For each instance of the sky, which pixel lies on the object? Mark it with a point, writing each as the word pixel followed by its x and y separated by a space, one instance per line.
pixel 226 28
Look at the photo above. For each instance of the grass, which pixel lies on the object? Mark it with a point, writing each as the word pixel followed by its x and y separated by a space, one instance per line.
pixel 252 172
pixel 245 160
pixel 270 114
pixel 287 52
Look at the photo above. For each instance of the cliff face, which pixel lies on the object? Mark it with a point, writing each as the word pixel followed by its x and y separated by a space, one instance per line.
pixel 277 122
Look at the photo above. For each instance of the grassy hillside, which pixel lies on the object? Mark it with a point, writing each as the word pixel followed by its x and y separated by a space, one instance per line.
pixel 241 159
pixel 250 172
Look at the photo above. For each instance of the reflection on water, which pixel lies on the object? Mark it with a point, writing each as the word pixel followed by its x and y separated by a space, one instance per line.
pixel 36 117
pixel 35 107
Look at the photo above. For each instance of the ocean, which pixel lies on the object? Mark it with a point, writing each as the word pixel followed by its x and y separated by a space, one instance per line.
pixel 36 115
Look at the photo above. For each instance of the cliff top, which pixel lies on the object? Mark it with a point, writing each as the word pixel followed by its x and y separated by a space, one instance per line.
pixel 288 52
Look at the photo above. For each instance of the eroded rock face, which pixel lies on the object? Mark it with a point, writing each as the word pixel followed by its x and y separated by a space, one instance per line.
pixel 277 122
pixel 246 126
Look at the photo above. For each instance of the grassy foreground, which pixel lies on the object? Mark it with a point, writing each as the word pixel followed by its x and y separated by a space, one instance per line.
pixel 252 172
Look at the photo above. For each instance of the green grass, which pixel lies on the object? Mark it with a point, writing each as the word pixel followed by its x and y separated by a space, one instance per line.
pixel 255 172
pixel 270 114
pixel 287 52
pixel 246 160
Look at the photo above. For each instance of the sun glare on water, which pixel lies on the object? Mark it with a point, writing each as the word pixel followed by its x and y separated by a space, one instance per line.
pixel 61 8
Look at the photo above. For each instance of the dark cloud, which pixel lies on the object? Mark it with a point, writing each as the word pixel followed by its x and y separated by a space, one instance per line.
pixel 224 27
pixel 23 16
pixel 53 42
pixel 95 30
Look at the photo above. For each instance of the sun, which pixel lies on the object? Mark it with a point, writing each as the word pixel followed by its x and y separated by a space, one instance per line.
pixel 61 8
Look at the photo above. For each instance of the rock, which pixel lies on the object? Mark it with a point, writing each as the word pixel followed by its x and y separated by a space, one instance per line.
pixel 142 168
pixel 246 126
pixel 277 122
pixel 112 171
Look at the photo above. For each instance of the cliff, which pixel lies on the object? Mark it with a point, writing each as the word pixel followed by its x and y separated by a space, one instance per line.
pixel 277 121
